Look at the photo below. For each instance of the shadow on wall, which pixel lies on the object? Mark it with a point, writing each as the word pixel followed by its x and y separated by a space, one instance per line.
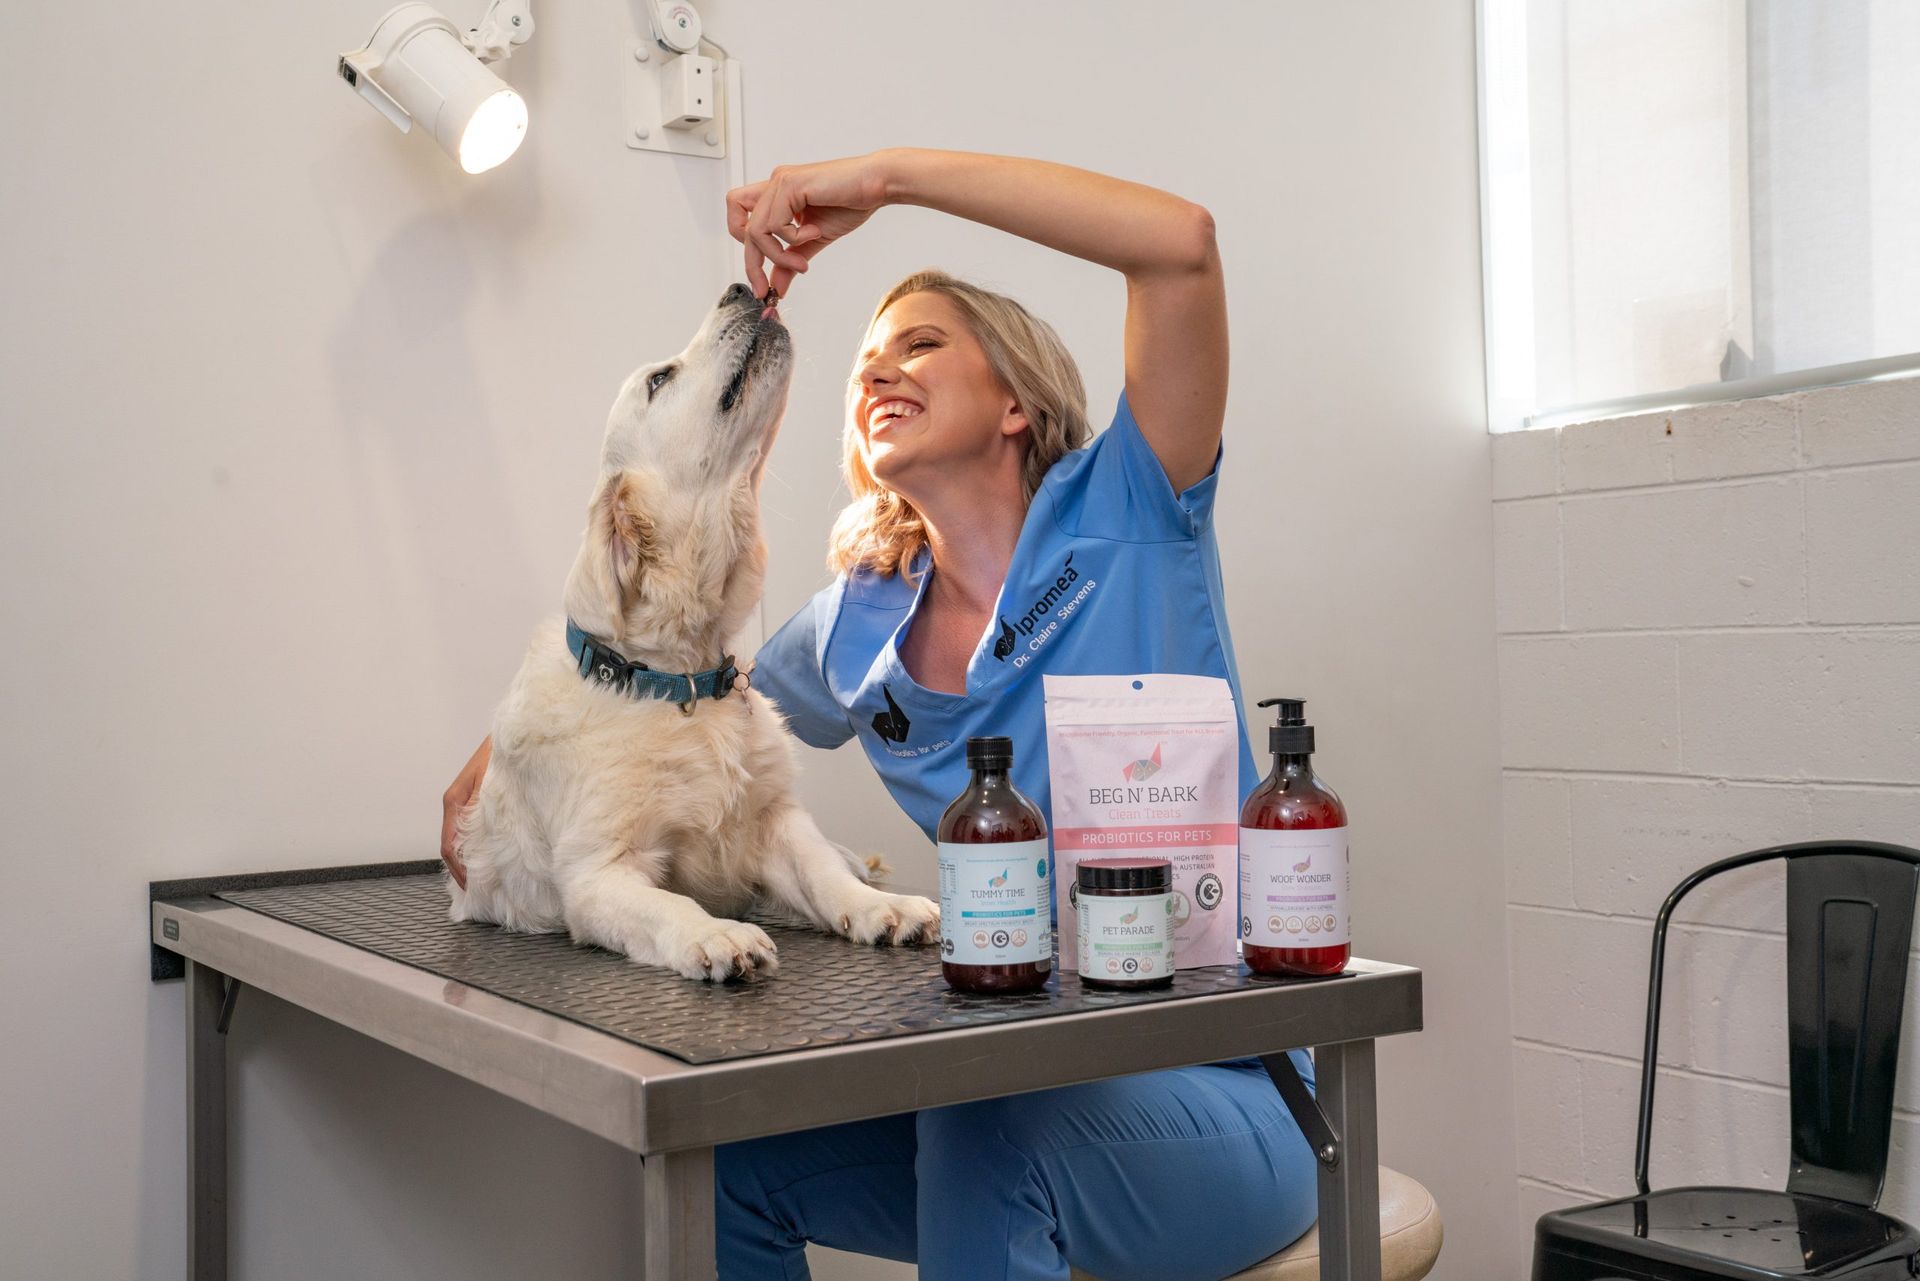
pixel 410 388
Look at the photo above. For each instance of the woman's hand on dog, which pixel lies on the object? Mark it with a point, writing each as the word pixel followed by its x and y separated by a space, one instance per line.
pixel 798 210
pixel 456 799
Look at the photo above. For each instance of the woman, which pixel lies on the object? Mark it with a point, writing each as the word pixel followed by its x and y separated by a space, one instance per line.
pixel 988 542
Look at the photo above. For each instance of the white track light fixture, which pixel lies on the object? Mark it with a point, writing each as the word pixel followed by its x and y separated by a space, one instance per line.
pixel 418 67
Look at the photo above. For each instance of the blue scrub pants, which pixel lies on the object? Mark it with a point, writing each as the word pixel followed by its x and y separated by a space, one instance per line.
pixel 1186 1175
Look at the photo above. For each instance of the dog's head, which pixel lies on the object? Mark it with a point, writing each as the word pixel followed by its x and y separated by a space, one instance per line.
pixel 710 411
pixel 672 559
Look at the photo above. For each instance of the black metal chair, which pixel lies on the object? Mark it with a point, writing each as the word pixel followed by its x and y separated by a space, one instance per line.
pixel 1849 923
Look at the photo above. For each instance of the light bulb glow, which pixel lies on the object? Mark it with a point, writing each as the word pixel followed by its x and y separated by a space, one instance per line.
pixel 494 132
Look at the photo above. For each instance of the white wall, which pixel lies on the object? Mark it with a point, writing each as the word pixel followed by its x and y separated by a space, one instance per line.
pixel 300 427
pixel 1710 634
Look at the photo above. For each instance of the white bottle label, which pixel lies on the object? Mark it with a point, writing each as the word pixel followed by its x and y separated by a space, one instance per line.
pixel 994 905
pixel 1125 939
pixel 1293 887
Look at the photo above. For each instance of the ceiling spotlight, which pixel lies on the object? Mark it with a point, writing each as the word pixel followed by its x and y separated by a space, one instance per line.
pixel 418 67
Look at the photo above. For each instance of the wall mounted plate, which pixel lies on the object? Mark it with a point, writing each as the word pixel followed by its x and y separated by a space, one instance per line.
pixel 646 62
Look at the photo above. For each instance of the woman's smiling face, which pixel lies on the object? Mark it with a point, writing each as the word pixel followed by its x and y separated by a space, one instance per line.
pixel 927 399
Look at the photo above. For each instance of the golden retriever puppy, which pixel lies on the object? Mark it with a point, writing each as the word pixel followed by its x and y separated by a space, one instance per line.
pixel 639 795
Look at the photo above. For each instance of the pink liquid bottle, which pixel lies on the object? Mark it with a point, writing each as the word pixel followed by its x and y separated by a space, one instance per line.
pixel 1293 860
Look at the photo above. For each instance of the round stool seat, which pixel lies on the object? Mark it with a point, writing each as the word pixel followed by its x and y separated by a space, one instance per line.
pixel 1410 1235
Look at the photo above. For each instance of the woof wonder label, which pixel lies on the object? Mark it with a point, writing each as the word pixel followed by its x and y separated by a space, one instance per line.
pixel 1293 887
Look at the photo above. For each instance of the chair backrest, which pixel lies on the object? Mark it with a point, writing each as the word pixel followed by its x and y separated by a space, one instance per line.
pixel 1849 923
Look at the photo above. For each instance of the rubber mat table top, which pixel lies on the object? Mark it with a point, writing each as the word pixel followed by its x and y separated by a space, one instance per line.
pixel 826 992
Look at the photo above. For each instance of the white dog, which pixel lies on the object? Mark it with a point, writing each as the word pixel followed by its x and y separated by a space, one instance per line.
pixel 641 822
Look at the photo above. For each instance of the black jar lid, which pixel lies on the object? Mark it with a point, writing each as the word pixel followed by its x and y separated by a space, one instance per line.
pixel 1124 874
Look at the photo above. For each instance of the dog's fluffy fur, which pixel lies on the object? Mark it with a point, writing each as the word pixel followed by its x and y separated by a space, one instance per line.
pixel 628 822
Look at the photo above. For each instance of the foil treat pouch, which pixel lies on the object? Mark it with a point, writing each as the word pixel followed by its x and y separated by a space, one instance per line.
pixel 1148 765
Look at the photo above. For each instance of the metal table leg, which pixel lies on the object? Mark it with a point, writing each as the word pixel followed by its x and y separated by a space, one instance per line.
pixel 676 1216
pixel 1350 1189
pixel 206 1125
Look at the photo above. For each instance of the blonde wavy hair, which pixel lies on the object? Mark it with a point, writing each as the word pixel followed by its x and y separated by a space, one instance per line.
pixel 880 530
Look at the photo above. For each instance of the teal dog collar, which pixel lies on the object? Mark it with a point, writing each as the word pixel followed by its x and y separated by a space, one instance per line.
pixel 601 665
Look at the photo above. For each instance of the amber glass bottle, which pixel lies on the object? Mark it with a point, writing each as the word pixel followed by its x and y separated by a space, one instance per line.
pixel 1293 860
pixel 995 881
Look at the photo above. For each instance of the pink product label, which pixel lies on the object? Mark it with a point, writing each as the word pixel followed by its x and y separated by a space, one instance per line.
pixel 1133 786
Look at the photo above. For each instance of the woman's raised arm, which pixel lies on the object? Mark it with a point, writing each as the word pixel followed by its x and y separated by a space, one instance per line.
pixel 1176 331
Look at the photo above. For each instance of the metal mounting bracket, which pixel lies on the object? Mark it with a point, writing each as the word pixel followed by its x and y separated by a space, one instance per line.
pixel 506 23
pixel 650 128
pixel 1306 1111
pixel 229 993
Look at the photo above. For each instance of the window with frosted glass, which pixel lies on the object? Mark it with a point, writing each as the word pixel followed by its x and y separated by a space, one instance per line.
pixel 1688 198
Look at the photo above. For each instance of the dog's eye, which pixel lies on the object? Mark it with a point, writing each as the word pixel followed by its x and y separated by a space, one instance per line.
pixel 658 379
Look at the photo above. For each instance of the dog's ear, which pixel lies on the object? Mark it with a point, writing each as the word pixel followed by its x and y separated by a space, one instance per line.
pixel 613 557
pixel 628 536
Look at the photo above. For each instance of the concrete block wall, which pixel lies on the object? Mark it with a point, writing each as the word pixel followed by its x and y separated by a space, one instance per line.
pixel 1709 642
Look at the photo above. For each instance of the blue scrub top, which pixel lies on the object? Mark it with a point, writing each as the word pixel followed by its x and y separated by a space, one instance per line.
pixel 1114 574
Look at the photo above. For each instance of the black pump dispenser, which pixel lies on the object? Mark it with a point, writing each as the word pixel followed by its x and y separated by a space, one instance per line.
pixel 1290 734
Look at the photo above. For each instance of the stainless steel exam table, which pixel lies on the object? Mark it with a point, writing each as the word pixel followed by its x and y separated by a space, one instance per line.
pixel 667 1068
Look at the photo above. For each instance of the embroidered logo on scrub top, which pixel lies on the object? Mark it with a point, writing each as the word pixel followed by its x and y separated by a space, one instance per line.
pixel 1004 643
pixel 1010 633
pixel 1049 614
pixel 891 724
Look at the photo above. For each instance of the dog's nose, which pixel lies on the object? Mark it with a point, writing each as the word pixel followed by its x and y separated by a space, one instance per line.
pixel 735 295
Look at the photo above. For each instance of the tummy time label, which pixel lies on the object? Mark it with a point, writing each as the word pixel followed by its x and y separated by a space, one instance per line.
pixel 1293 887
pixel 994 904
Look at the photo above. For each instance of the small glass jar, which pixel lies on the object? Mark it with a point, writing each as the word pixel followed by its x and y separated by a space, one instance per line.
pixel 1125 910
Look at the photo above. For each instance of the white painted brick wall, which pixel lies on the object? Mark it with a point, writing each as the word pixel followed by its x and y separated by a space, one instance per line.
pixel 1589 702
pixel 1635 838
pixel 1743 562
pixel 1546 1100
pixel 1837 705
pixel 1584 983
pixel 1863 545
pixel 1526 558
pixel 1537 835
pixel 1870 423
pixel 1890 814
pixel 1745 438
pixel 1710 642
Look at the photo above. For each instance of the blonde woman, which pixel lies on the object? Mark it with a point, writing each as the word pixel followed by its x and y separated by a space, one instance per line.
pixel 987 542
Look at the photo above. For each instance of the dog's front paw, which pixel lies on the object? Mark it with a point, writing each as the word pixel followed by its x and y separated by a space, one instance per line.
pixel 902 919
pixel 723 950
